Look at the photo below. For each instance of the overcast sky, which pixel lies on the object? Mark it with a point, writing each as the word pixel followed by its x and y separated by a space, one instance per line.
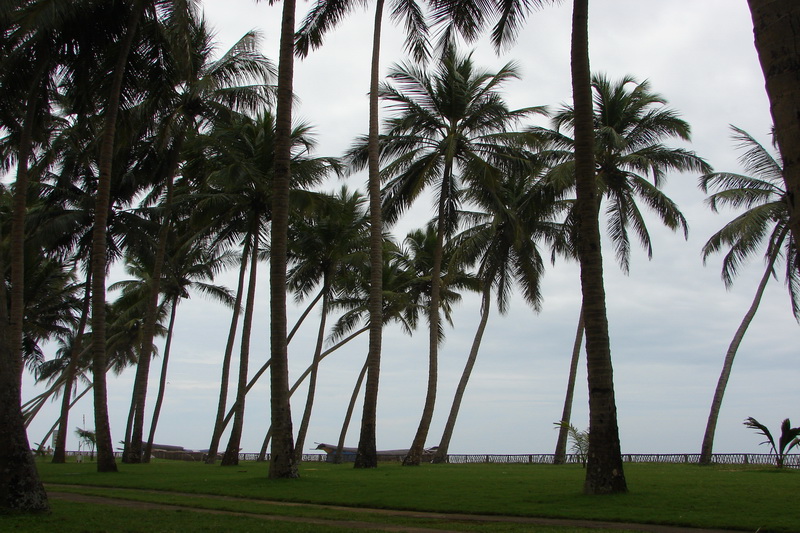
pixel 671 319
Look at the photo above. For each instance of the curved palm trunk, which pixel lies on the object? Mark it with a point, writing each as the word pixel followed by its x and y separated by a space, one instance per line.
pixel 105 448
pixel 444 445
pixel 777 42
pixel 134 445
pixel 282 464
pixel 162 384
pixel 727 366
pixel 60 452
pixel 560 455
pixel 264 368
pixel 219 427
pixel 262 454
pixel 604 472
pixel 337 457
pixel 414 456
pixel 312 383
pixel 72 403
pixel 231 457
pixel 366 455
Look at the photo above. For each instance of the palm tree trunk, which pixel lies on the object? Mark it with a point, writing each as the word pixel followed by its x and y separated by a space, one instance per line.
pixel 60 452
pixel 216 435
pixel 337 457
pixel 135 454
pixel 366 456
pixel 727 366
pixel 282 464
pixel 414 456
pixel 21 489
pixel 312 383
pixel 297 384
pixel 162 384
pixel 560 455
pixel 444 445
pixel 105 448
pixel 604 473
pixel 777 42
pixel 231 457
pixel 57 422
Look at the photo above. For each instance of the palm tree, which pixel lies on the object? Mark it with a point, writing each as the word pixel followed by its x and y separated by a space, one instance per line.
pixel 322 18
pixel 790 437
pixel 326 248
pixel 513 213
pixel 767 218
pixel 234 202
pixel 203 91
pixel 631 124
pixel 777 45
pixel 444 121
pixel 604 472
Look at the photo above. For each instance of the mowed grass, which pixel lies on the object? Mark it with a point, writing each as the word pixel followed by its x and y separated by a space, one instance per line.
pixel 729 497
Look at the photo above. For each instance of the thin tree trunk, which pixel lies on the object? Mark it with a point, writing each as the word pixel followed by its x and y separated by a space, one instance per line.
pixel 312 383
pixel 298 382
pixel 60 452
pixel 231 457
pixel 604 472
pixel 414 457
pixel 57 422
pixel 105 447
pixel 162 384
pixel 282 464
pixel 777 41
pixel 219 427
pixel 135 454
pixel 560 455
pixel 337 456
pixel 727 366
pixel 366 455
pixel 444 445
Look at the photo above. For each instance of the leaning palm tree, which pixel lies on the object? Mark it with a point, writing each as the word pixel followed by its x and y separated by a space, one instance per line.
pixel 766 221
pixel 631 125
pixel 512 213
pixel 444 120
pixel 326 246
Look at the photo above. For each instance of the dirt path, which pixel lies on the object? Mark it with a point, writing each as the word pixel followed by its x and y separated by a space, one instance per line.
pixel 53 492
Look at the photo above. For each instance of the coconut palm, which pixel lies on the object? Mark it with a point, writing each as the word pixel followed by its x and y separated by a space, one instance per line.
pixel 512 213
pixel 604 472
pixel 233 199
pixel 326 247
pixel 321 19
pixel 765 221
pixel 631 125
pixel 443 120
pixel 203 91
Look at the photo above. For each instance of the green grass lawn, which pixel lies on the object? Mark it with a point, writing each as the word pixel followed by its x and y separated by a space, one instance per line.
pixel 734 497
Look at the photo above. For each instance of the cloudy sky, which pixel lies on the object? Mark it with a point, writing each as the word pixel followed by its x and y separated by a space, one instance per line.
pixel 671 319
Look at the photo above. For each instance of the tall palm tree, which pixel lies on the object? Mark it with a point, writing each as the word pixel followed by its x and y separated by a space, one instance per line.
pixel 766 219
pixel 501 237
pixel 234 200
pixel 604 472
pixel 322 18
pixel 202 92
pixel 443 121
pixel 631 126
pixel 778 45
pixel 326 248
